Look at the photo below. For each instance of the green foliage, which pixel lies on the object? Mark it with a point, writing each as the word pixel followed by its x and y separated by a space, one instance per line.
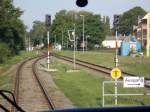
pixel 5 52
pixel 38 33
pixel 6 78
pixel 5 82
pixel 130 18
pixel 106 24
pixel 94 27
pixel 12 29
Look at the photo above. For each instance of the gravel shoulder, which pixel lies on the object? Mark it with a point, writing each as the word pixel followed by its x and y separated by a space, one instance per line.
pixel 31 98
pixel 11 72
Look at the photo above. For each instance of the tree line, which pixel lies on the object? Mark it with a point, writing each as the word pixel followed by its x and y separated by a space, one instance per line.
pixel 128 19
pixel 96 28
pixel 12 30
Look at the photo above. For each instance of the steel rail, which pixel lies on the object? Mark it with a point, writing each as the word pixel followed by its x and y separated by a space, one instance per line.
pixel 45 93
pixel 16 89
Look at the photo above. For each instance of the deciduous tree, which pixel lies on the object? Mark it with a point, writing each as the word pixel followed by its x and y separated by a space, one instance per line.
pixel 130 18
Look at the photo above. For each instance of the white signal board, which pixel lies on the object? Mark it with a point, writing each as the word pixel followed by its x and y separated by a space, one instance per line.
pixel 133 82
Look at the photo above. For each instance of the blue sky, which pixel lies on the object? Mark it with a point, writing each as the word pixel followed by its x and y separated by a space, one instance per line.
pixel 36 9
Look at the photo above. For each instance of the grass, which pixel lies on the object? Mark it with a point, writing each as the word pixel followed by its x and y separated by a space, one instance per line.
pixel 6 79
pixel 5 82
pixel 17 58
pixel 85 89
pixel 129 64
pixel 76 87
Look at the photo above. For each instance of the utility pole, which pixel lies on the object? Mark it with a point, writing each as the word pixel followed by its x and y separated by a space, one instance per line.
pixel 73 40
pixel 62 38
pixel 74 34
pixel 48 53
pixel 116 65
pixel 48 26
pixel 55 40
pixel 29 42
pixel 83 32
pixel 116 23
pixel 76 43
pixel 148 36
pixel 87 42
pixel 67 43
pixel 116 56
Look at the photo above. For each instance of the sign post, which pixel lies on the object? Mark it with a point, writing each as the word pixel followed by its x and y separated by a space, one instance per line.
pixel 116 65
pixel 116 74
pixel 116 23
pixel 116 57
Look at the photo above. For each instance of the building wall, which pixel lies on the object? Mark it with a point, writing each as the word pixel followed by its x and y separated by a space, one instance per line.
pixel 111 43
pixel 141 31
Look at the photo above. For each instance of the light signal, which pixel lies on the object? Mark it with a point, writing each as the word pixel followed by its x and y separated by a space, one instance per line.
pixel 116 21
pixel 48 22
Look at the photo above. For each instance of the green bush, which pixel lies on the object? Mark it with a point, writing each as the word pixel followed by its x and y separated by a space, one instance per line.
pixel 4 52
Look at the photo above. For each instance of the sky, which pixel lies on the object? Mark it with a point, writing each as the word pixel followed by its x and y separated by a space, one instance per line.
pixel 37 9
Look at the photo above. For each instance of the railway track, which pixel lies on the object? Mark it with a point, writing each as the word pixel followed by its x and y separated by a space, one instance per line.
pixel 98 68
pixel 29 90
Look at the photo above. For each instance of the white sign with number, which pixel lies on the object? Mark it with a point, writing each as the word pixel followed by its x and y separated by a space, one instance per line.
pixel 133 82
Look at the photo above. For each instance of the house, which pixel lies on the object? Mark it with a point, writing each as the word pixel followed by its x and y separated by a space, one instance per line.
pixel 110 42
pixel 141 30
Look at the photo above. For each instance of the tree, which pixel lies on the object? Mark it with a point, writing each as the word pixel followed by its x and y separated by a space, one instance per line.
pixel 106 24
pixel 130 18
pixel 94 28
pixel 38 33
pixel 5 52
pixel 64 21
pixel 12 29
